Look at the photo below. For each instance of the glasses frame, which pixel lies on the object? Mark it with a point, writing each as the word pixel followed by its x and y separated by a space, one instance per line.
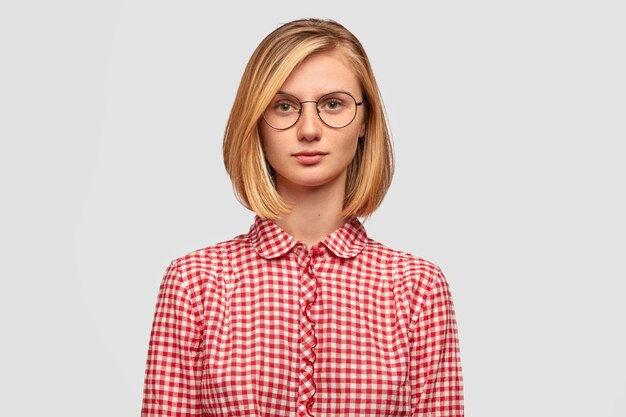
pixel 356 110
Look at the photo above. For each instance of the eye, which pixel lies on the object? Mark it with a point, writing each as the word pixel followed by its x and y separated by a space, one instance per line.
pixel 285 104
pixel 284 107
pixel 333 103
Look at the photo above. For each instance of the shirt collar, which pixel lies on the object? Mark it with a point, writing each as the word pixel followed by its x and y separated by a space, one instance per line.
pixel 270 241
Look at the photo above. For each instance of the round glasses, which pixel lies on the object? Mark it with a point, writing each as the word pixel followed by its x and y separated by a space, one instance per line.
pixel 337 110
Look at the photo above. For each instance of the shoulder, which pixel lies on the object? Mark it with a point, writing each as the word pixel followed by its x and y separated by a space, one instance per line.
pixel 210 256
pixel 417 277
pixel 415 268
pixel 206 266
pixel 422 282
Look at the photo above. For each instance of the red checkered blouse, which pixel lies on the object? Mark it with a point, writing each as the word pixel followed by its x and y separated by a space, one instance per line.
pixel 262 326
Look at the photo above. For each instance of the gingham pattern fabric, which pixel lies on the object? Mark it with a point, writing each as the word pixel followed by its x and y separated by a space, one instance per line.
pixel 262 326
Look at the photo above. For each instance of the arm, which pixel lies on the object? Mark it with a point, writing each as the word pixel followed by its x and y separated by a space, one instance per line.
pixel 436 381
pixel 173 368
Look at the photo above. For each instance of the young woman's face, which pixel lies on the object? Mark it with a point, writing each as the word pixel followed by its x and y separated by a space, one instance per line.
pixel 310 153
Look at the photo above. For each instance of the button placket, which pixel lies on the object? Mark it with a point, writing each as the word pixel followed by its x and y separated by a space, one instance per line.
pixel 308 338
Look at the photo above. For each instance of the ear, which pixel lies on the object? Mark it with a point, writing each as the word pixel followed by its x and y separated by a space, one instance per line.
pixel 362 130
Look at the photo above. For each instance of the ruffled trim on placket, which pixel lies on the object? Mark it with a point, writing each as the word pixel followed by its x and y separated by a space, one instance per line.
pixel 308 343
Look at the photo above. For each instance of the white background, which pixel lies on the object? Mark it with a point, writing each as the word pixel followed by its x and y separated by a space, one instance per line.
pixel 509 126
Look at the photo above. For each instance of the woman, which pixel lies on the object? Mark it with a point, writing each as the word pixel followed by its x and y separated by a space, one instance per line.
pixel 305 315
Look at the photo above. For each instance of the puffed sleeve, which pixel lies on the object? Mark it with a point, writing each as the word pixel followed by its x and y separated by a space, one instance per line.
pixel 173 367
pixel 436 380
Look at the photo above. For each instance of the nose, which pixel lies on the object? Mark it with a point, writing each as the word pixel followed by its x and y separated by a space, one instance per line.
pixel 309 125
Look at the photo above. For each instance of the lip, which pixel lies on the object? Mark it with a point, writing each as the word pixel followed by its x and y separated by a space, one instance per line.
pixel 309 157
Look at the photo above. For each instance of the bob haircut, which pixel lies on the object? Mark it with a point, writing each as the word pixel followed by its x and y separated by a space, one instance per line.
pixel 370 172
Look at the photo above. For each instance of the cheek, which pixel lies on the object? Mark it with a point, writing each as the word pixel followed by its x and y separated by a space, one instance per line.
pixel 273 151
pixel 350 142
pixel 345 152
pixel 266 142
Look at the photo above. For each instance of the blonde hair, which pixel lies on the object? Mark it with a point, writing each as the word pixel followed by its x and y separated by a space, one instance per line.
pixel 370 172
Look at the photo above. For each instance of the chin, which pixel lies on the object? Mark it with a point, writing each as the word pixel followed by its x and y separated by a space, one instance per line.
pixel 309 181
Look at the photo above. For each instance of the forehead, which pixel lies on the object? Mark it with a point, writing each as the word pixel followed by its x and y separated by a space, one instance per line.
pixel 321 73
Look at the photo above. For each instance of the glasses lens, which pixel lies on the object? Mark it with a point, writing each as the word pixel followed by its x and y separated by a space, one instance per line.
pixel 282 112
pixel 337 109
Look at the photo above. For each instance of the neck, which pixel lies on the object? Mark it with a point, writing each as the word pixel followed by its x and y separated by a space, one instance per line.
pixel 316 211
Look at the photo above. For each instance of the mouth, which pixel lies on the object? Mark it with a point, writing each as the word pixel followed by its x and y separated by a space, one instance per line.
pixel 309 153
pixel 309 157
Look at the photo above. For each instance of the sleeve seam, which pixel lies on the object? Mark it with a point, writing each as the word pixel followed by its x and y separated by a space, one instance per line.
pixel 184 283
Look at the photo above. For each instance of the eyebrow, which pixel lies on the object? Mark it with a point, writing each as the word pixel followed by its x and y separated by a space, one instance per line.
pixel 321 95
pixel 285 92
